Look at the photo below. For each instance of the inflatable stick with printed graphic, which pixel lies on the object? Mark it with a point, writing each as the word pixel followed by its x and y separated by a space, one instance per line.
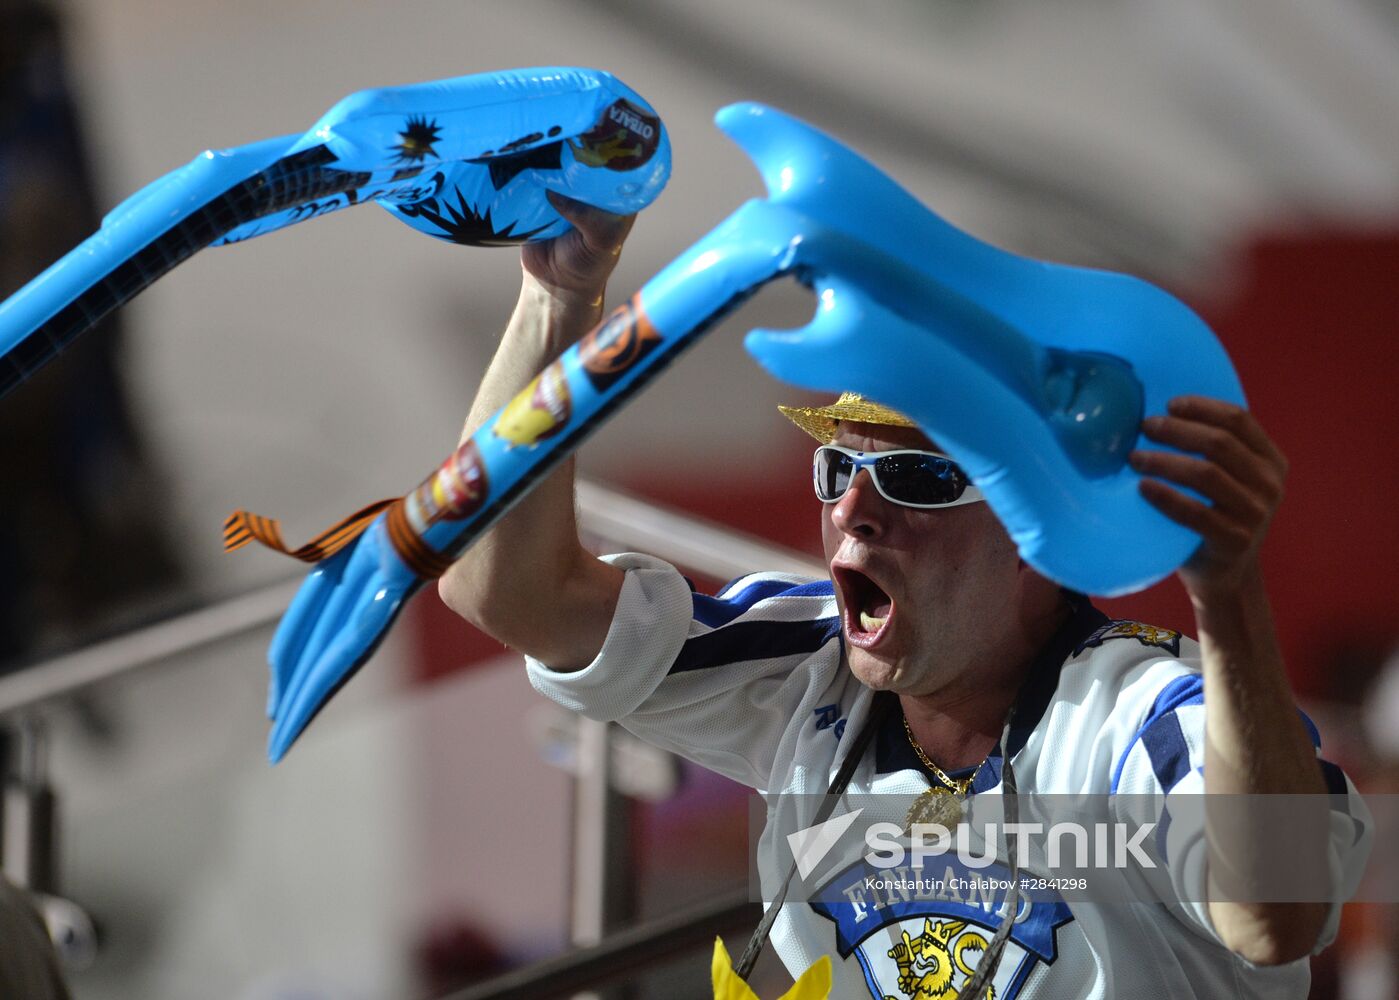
pixel 467 160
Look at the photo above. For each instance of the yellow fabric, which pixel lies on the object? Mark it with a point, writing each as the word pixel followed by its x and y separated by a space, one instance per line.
pixel 813 984
pixel 820 421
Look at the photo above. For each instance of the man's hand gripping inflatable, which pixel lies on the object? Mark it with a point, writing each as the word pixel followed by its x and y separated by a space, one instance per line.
pixel 467 160
pixel 1035 377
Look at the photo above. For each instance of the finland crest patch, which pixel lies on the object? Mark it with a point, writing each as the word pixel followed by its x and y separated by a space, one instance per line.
pixel 918 933
pixel 1148 635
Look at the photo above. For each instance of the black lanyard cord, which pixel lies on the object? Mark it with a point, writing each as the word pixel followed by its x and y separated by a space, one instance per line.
pixel 879 711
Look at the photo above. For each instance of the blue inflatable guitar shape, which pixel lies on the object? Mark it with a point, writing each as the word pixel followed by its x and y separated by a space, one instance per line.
pixel 1035 377
pixel 466 160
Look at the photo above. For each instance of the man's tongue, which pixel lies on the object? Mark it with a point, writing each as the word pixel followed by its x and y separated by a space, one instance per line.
pixel 875 611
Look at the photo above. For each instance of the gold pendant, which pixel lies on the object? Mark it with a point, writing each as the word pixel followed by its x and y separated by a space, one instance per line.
pixel 935 806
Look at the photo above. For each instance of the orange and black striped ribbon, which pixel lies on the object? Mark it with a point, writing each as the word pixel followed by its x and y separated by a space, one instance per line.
pixel 243 527
pixel 417 555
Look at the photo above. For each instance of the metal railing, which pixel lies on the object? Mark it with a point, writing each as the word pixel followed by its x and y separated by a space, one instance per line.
pixel 622 954
pixel 605 514
pixel 609 946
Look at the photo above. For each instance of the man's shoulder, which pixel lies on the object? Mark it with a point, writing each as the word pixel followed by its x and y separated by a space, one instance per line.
pixel 1151 641
pixel 1111 682
pixel 1121 665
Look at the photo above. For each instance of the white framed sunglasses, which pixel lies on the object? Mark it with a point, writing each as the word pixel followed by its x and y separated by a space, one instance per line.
pixel 908 478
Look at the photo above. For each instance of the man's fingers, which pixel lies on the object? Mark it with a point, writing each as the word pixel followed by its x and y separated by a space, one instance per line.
pixel 1206 478
pixel 1220 532
pixel 600 230
pixel 1220 447
pixel 1232 463
pixel 1234 420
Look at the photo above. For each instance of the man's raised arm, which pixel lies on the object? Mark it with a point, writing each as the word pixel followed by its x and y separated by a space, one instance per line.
pixel 529 582
pixel 1256 743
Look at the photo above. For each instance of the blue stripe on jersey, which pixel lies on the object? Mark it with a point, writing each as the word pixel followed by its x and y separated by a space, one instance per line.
pixel 1336 787
pixel 1334 777
pixel 1166 747
pixel 1312 731
pixel 758 640
pixel 1186 690
pixel 1163 830
pixel 718 611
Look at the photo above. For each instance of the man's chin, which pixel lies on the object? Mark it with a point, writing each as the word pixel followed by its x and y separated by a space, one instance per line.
pixel 873 671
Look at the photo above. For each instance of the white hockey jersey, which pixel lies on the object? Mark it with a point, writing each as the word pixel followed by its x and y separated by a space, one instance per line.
pixel 753 684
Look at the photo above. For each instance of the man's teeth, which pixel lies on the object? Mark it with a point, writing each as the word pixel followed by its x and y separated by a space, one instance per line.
pixel 870 623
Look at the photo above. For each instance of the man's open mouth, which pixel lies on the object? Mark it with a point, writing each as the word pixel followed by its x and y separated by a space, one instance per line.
pixel 868 609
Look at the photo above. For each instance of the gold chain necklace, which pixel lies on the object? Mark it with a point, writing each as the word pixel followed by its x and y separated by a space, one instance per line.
pixel 940 806
pixel 960 787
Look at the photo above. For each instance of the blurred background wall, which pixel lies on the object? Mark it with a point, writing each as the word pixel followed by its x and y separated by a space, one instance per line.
pixel 1242 152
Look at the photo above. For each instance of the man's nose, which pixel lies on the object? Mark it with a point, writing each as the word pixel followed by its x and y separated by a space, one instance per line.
pixel 861 511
